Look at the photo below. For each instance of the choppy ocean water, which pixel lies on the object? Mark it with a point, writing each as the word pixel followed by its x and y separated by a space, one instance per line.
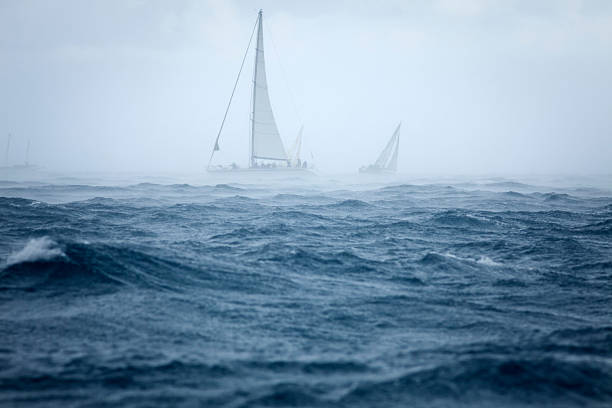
pixel 305 293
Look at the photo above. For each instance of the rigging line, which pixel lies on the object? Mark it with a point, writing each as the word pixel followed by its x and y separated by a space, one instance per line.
pixel 297 113
pixel 215 147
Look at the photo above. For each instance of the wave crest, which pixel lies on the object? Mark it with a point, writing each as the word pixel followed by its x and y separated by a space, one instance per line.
pixel 37 249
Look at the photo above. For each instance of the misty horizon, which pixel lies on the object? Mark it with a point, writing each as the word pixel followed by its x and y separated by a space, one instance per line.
pixel 481 87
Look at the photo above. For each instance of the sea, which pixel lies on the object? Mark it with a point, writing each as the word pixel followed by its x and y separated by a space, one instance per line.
pixel 123 290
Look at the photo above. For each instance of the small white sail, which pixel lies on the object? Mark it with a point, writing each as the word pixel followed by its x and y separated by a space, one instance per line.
pixel 388 156
pixel 393 162
pixel 295 151
pixel 266 141
pixel 387 160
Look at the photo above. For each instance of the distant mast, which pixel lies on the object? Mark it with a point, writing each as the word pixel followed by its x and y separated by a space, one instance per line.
pixel 254 96
pixel 27 156
pixel 8 147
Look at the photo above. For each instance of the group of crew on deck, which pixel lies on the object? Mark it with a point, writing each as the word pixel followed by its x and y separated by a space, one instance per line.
pixel 273 165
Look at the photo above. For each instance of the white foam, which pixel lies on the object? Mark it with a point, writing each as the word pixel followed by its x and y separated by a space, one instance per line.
pixel 485 260
pixel 37 249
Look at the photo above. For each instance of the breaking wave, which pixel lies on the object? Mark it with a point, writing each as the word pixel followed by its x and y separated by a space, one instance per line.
pixel 37 249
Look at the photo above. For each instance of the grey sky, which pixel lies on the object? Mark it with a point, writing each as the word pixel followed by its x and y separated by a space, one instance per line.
pixel 481 86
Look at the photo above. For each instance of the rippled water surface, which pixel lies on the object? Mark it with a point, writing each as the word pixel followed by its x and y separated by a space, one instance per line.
pixel 305 292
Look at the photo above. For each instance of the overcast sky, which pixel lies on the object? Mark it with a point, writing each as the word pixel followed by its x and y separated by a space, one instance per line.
pixel 481 86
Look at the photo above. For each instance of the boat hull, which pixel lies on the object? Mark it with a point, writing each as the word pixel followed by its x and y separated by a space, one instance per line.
pixel 376 171
pixel 260 170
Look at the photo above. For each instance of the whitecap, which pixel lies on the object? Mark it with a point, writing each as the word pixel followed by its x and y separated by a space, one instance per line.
pixel 482 259
pixel 37 249
pixel 485 260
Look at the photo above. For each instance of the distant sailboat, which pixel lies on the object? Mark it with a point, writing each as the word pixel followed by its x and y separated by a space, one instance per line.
pixel 266 149
pixel 8 148
pixel 27 156
pixel 387 161
pixel 16 167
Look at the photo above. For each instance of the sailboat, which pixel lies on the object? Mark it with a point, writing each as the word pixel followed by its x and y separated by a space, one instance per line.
pixel 266 149
pixel 16 167
pixel 387 160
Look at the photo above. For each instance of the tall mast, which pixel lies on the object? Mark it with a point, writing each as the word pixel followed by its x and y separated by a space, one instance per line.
pixel 252 158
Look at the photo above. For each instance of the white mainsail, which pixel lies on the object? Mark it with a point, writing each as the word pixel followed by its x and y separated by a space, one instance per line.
pixel 266 142
pixel 388 157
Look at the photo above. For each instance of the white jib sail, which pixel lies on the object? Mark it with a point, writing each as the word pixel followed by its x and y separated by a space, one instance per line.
pixel 295 151
pixel 266 140
pixel 388 157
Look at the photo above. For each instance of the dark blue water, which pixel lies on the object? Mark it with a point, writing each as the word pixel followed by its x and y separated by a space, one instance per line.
pixel 490 294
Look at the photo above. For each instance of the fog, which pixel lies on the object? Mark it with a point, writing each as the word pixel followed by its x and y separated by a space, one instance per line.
pixel 480 86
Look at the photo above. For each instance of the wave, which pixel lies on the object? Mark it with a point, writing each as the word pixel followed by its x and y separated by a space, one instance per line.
pixel 37 249
pixel 495 380
pixel 42 265
pixel 559 197
pixel 454 218
pixel 442 263
pixel 350 205
pixel 15 202
pixel 488 246
pixel 58 276
pixel 289 197
pixel 400 188
pixel 514 194
pixel 144 370
pixel 227 187
pixel 485 260
pixel 508 184
pixel 450 261
pixel 237 200
pixel 603 266
pixel 510 283
pixel 344 261
pixel 598 228
pixel 399 226
pixel 300 215
pixel 309 367
pixel 537 370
